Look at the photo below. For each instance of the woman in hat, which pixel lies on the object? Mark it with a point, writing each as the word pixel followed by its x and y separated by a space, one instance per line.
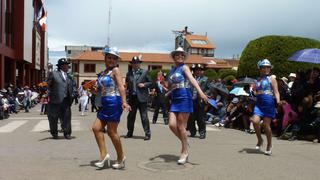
pixel 113 101
pixel 266 91
pixel 181 99
pixel 84 97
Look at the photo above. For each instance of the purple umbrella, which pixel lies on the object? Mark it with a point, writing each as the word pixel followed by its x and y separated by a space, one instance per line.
pixel 306 55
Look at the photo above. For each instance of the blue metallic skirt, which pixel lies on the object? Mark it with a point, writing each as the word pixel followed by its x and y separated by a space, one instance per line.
pixel 265 106
pixel 111 109
pixel 181 100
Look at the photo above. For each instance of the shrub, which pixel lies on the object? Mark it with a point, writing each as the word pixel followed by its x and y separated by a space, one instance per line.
pixel 277 49
pixel 227 72
pixel 228 79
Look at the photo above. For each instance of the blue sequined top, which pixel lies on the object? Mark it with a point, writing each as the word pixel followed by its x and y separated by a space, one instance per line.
pixel 178 78
pixel 107 85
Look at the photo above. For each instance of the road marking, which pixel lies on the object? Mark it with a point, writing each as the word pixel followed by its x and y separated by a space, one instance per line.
pixel 41 126
pixel 44 126
pixel 212 128
pixel 40 118
pixel 11 126
pixel 28 118
pixel 76 125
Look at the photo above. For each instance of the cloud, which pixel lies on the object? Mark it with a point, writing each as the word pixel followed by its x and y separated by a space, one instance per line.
pixel 58 44
pixel 148 24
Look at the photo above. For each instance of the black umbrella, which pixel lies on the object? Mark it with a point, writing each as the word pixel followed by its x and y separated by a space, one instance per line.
pixel 245 81
pixel 220 87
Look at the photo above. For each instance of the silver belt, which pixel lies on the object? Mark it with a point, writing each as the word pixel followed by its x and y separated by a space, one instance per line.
pixel 109 92
pixel 269 92
pixel 181 85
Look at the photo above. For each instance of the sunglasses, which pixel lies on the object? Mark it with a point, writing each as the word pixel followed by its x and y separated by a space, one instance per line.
pixel 112 57
pixel 265 67
pixel 179 54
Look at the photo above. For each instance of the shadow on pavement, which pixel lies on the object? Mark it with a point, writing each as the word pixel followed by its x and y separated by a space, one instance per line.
pixel 250 151
pixel 45 131
pixel 98 169
pixel 168 158
pixel 133 137
pixel 58 138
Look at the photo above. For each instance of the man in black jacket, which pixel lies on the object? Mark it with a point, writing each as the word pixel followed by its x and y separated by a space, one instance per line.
pixel 198 106
pixel 138 81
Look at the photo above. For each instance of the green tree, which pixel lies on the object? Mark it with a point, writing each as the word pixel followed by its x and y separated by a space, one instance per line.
pixel 211 74
pixel 277 49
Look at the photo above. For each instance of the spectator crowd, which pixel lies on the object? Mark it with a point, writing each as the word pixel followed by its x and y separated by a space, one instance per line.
pixel 298 115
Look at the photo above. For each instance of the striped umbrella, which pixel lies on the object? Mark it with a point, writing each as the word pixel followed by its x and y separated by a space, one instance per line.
pixel 306 55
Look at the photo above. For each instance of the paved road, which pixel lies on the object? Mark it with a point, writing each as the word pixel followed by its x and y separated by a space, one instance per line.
pixel 27 151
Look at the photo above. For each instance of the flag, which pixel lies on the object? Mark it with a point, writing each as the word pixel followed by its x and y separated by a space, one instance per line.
pixel 42 16
pixel 43 21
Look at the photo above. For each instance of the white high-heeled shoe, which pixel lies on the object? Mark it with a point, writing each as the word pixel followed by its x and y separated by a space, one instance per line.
pixel 259 146
pixel 120 165
pixel 268 152
pixel 183 160
pixel 100 164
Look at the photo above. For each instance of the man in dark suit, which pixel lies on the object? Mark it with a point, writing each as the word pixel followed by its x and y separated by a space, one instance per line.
pixel 138 81
pixel 198 105
pixel 61 91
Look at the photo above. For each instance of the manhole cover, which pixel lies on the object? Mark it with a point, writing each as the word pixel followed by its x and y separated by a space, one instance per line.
pixel 160 165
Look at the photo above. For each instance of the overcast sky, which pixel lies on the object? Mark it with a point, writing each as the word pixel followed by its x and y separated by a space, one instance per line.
pixel 146 25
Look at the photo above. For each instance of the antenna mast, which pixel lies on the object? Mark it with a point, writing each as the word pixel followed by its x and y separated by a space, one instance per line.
pixel 109 23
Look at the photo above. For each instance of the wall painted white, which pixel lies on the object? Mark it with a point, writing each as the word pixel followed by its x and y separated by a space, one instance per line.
pixel 28 26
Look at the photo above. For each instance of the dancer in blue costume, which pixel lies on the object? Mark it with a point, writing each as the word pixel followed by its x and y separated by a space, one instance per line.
pixel 181 99
pixel 266 92
pixel 113 101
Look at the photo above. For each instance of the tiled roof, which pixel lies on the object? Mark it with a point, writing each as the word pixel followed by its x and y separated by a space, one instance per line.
pixel 209 45
pixel 234 62
pixel 155 58
pixel 146 57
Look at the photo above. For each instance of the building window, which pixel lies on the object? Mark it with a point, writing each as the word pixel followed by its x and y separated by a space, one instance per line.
pixel 199 42
pixel 89 68
pixel 75 67
pixel 8 22
pixel 154 67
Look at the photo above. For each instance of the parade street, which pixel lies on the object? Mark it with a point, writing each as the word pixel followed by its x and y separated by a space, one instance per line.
pixel 27 151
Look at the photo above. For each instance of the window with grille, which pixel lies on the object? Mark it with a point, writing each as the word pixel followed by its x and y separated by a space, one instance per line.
pixel 153 67
pixel 89 68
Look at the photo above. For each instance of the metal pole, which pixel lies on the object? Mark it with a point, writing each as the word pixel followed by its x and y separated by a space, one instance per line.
pixel 109 23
